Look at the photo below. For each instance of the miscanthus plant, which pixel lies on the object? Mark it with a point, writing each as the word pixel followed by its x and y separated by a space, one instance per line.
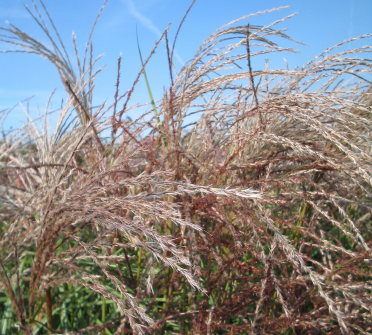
pixel 255 219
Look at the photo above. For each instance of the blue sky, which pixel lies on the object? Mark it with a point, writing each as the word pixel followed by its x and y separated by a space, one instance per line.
pixel 319 24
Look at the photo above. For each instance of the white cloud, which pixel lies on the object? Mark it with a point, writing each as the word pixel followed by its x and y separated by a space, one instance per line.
pixel 146 22
pixel 141 18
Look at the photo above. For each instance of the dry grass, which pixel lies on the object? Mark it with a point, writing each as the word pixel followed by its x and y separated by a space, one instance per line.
pixel 256 220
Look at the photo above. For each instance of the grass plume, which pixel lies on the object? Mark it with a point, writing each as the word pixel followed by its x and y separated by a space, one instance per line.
pixel 254 219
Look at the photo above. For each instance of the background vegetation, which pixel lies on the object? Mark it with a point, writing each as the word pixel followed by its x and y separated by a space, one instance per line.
pixel 254 219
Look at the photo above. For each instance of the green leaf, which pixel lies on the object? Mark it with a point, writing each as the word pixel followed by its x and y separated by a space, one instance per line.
pixel 147 82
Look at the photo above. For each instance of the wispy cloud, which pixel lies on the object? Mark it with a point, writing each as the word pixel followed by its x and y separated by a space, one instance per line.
pixel 141 18
pixel 146 22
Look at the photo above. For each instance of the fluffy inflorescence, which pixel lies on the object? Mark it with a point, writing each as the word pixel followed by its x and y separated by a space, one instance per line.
pixel 254 219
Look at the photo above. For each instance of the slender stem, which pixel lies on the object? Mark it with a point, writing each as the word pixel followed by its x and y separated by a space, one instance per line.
pixel 103 309
pixel 251 73
pixel 49 306
pixel 139 265
pixel 130 270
